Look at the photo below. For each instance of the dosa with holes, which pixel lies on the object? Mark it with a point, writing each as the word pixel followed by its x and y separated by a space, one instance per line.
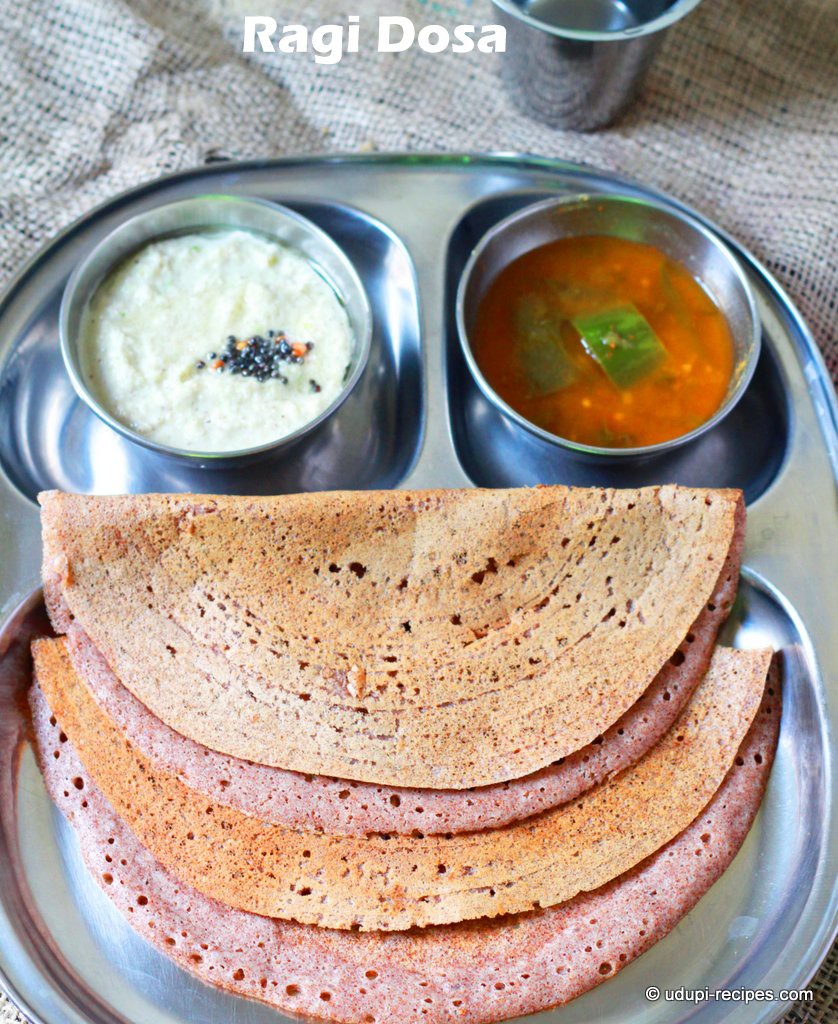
pixel 321 803
pixel 384 882
pixel 476 973
pixel 435 639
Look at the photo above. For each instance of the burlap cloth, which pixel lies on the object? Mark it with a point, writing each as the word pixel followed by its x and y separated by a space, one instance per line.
pixel 739 117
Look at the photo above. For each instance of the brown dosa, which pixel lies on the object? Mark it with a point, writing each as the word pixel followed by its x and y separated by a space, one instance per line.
pixel 472 973
pixel 321 803
pixel 439 639
pixel 396 882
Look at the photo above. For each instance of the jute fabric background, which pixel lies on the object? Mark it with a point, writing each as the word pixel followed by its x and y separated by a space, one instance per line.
pixel 739 117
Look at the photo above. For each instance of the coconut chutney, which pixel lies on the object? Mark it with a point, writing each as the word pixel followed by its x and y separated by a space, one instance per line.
pixel 215 341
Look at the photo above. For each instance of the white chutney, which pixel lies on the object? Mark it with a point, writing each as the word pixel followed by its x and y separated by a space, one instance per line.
pixel 154 322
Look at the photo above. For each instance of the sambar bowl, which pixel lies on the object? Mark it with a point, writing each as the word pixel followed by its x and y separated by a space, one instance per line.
pixel 676 234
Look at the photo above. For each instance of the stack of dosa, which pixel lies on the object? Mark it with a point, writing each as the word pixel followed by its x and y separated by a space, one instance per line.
pixel 426 717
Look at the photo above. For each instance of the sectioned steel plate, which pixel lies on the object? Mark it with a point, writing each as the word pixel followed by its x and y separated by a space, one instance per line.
pixel 417 419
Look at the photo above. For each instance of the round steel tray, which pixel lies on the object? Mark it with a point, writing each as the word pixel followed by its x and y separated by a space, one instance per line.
pixel 416 419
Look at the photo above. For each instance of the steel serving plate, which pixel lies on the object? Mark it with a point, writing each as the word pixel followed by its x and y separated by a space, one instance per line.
pixel 417 419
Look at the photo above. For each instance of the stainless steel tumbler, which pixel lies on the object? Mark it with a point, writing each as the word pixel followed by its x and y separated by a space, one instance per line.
pixel 579 63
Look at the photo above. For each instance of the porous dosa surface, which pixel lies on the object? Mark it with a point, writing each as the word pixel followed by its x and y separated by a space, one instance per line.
pixel 397 882
pixel 341 807
pixel 436 639
pixel 471 973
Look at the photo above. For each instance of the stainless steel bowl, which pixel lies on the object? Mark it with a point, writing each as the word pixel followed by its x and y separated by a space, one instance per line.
pixel 200 214
pixel 676 234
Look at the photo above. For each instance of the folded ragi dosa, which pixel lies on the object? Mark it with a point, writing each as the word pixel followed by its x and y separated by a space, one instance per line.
pixel 476 972
pixel 325 804
pixel 441 639
pixel 397 882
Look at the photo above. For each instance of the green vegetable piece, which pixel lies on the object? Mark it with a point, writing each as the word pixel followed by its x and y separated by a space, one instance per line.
pixel 540 347
pixel 622 342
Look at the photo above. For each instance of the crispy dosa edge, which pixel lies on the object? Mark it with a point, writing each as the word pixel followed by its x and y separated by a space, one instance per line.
pixel 475 973
pixel 396 882
pixel 340 807
pixel 278 630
